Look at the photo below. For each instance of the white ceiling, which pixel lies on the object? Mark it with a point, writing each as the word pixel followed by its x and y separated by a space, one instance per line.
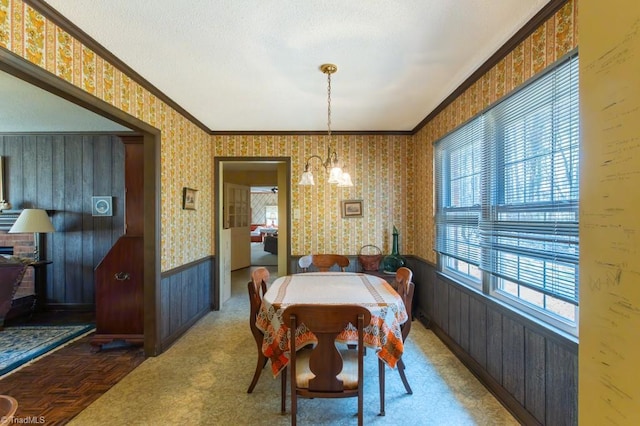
pixel 264 189
pixel 27 108
pixel 253 65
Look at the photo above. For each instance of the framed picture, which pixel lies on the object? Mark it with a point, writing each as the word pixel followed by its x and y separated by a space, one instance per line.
pixel 189 198
pixel 352 208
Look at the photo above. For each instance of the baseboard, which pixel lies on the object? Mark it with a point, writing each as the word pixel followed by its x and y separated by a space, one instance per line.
pixel 170 340
pixel 424 319
pixel 508 401
pixel 70 307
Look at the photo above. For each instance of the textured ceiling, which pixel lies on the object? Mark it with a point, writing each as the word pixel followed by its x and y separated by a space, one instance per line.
pixel 27 108
pixel 253 65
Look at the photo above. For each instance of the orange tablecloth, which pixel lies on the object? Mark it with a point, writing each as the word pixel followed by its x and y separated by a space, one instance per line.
pixel 386 307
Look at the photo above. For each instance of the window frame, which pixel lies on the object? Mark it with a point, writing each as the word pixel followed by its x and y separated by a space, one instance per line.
pixel 557 132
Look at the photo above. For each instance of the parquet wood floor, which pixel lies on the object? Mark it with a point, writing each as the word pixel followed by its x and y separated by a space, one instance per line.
pixel 53 389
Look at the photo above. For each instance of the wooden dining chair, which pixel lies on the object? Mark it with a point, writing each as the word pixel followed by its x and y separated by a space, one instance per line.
pixel 304 262
pixel 257 288
pixel 324 262
pixel 324 371
pixel 405 288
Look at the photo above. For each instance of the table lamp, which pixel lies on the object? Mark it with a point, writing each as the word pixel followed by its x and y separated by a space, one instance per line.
pixel 36 221
pixel 272 217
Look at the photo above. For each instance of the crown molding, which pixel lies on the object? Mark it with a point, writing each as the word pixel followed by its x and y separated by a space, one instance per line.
pixel 534 23
pixel 545 13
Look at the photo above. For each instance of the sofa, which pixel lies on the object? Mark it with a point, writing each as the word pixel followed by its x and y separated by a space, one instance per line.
pixel 271 243
pixel 11 273
pixel 256 235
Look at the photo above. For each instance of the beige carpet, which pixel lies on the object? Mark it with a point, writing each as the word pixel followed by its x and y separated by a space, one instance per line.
pixel 203 378
pixel 259 257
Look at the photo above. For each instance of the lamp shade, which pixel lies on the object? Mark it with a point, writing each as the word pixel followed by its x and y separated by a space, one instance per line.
pixel 307 179
pixel 32 220
pixel 345 180
pixel 335 175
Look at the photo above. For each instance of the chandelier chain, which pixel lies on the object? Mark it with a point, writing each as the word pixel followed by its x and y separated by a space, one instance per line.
pixel 329 105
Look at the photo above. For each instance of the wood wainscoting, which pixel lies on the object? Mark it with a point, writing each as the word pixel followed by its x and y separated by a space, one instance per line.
pixel 532 370
pixel 186 295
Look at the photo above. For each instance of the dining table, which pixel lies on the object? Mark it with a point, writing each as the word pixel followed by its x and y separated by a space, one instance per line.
pixel 382 334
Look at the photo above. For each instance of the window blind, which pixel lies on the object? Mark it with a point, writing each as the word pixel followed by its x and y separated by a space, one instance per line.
pixel 507 187
pixel 459 183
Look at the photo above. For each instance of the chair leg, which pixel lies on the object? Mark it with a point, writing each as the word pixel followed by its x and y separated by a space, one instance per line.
pixel 262 361
pixel 294 407
pixel 401 367
pixel 381 380
pixel 283 391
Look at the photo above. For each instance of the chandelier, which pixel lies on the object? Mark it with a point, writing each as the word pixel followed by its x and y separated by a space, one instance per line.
pixel 337 175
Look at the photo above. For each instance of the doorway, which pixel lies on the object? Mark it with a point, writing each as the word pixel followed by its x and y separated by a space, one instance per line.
pixel 264 225
pixel 247 172
pixel 41 78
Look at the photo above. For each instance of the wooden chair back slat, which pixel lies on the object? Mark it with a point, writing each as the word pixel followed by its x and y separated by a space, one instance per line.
pixel 324 262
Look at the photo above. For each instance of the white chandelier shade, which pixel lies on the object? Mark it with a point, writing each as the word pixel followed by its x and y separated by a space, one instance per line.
pixel 337 175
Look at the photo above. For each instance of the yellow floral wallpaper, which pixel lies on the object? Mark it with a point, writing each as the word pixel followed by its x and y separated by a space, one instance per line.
pixel 555 38
pixel 393 175
pixel 382 171
pixel 186 150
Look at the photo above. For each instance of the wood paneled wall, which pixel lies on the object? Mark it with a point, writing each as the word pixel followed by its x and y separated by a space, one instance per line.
pixel 531 369
pixel 185 296
pixel 61 173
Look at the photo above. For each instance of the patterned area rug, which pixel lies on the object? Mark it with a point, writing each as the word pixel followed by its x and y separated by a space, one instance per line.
pixel 19 345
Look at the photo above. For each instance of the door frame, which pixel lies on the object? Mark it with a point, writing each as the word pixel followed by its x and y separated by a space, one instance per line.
pixel 25 70
pixel 283 168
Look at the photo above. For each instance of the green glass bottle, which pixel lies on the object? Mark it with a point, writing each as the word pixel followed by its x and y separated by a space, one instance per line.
pixel 393 261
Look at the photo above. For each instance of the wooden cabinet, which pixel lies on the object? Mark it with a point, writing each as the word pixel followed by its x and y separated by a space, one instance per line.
pixel 119 293
pixel 120 275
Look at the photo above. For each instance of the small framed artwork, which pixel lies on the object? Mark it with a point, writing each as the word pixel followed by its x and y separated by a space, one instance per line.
pixel 102 206
pixel 189 198
pixel 352 208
